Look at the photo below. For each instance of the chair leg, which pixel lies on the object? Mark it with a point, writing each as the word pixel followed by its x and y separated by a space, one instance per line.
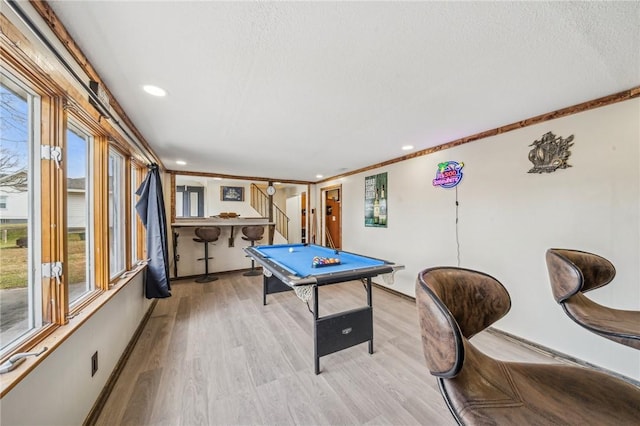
pixel 206 277
pixel 253 271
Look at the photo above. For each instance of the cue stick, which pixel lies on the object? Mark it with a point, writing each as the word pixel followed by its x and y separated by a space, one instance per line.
pixel 314 226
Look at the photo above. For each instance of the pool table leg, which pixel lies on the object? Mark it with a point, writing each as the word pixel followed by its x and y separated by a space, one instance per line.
pixel 272 285
pixel 370 303
pixel 264 290
pixel 315 329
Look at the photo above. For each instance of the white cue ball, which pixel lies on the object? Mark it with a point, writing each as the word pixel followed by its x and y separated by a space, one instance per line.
pixel 291 250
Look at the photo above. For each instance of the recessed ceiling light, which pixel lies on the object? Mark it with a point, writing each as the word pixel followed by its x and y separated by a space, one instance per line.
pixel 217 178
pixel 181 163
pixel 407 147
pixel 154 90
pixel 319 176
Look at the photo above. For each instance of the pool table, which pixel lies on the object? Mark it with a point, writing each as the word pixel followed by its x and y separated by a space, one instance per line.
pixel 286 266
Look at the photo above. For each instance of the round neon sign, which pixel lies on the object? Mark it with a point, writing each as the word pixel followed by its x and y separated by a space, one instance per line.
pixel 449 174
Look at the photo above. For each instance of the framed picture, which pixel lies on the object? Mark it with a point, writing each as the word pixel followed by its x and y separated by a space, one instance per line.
pixel 375 200
pixel 232 193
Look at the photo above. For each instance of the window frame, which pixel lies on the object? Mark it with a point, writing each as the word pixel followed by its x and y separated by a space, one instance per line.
pixel 74 124
pixel 57 97
pixel 35 236
pixel 121 243
pixel 53 104
pixel 187 192
pixel 138 242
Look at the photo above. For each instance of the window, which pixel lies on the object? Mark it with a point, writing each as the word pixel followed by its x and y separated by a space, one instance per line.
pixel 135 256
pixel 79 212
pixel 117 224
pixel 20 289
pixel 137 229
pixel 189 201
pixel 65 215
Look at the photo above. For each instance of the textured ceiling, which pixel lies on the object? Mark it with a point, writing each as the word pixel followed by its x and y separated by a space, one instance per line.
pixel 288 90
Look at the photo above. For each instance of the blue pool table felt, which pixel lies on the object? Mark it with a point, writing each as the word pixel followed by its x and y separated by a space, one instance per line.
pixel 299 262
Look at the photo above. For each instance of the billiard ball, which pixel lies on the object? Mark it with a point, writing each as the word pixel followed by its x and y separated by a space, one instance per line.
pixel 291 250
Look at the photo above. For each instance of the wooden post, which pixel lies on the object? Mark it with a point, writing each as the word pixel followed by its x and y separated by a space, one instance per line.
pixel 271 227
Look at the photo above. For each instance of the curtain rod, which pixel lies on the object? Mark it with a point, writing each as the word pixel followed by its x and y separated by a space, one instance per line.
pixel 103 109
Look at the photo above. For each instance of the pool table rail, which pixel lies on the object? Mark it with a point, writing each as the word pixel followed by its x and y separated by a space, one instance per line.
pixel 321 276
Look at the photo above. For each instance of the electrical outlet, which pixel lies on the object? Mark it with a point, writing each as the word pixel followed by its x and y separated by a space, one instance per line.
pixel 94 363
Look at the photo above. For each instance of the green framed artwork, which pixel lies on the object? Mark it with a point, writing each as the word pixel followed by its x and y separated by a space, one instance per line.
pixel 375 200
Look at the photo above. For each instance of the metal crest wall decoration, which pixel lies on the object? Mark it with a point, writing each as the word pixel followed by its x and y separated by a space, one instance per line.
pixel 550 153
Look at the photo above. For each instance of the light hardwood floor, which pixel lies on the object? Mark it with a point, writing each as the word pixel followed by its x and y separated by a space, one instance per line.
pixel 212 354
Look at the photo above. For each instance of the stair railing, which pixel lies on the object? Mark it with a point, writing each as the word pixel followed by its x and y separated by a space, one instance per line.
pixel 260 202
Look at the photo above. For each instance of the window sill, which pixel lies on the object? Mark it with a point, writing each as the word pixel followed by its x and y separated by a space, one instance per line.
pixel 59 334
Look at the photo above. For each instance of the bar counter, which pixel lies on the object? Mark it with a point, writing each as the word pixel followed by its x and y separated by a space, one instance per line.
pixel 224 223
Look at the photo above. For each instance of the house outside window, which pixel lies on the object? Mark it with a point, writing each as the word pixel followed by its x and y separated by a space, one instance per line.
pixel 79 207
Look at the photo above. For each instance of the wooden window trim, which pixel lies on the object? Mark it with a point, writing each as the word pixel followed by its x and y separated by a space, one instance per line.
pixel 101 212
pixel 59 98
pixel 125 214
pixel 140 250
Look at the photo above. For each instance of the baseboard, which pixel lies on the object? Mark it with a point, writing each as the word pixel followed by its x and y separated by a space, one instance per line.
pixel 93 415
pixel 558 355
pixel 191 277
pixel 394 292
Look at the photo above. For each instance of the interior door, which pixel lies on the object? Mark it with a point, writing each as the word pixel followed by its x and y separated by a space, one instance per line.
pixel 333 217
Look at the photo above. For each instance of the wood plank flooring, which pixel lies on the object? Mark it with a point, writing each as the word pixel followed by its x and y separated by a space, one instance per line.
pixel 212 354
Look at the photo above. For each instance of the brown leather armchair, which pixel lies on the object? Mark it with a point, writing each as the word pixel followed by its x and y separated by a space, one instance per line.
pixel 573 273
pixel 454 304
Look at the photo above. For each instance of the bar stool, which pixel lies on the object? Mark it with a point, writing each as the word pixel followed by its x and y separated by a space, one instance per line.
pixel 252 233
pixel 206 235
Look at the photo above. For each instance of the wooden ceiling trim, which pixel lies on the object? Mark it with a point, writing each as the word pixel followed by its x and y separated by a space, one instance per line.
pixel 234 177
pixel 585 106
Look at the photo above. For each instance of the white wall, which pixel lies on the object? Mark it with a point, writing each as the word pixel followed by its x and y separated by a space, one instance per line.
pixel 61 391
pixel 294 212
pixel 214 206
pixel 508 218
pixel 225 258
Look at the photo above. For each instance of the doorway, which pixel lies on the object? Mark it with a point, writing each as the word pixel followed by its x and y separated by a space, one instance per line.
pixel 332 216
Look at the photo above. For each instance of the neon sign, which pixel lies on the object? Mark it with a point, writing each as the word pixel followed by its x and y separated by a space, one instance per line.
pixel 449 174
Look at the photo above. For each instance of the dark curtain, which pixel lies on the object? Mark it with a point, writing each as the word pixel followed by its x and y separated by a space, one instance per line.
pixel 150 208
